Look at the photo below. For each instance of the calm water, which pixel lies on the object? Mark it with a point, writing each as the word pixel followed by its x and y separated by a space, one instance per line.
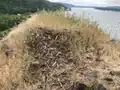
pixel 109 21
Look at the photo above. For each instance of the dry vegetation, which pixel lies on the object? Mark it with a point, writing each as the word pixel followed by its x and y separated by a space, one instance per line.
pixel 51 51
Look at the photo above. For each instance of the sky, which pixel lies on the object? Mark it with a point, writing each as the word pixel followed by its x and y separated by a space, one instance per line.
pixel 90 2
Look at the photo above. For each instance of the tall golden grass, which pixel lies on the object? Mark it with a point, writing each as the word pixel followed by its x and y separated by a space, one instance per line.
pixel 47 51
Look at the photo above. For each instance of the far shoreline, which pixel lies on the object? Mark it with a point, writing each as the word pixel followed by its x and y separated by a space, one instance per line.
pixel 105 8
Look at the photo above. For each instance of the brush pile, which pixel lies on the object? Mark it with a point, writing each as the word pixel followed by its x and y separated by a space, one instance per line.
pixel 53 57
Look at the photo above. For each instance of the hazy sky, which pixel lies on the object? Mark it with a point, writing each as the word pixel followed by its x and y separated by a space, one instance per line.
pixel 89 2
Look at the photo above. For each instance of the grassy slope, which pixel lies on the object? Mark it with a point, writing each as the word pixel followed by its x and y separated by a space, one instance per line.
pixel 51 51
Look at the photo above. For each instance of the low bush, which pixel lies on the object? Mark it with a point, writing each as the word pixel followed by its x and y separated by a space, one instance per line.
pixel 8 21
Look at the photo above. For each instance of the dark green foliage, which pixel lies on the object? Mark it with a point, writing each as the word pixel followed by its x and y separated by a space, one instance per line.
pixel 8 21
pixel 24 6
pixel 10 8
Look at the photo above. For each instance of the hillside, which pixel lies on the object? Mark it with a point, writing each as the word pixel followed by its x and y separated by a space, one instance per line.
pixel 12 12
pixel 25 6
pixel 51 51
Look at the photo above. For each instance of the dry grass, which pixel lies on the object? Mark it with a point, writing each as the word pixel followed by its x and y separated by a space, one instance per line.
pixel 50 51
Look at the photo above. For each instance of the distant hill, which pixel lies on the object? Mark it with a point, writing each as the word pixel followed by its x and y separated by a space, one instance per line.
pixel 66 4
pixel 75 6
pixel 109 8
pixel 24 6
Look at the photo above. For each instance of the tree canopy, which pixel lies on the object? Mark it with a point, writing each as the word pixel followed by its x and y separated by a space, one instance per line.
pixel 24 6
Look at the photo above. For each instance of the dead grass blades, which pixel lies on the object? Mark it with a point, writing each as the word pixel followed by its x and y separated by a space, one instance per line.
pixel 45 51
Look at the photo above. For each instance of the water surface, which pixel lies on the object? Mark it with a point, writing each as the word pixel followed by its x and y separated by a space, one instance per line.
pixel 109 21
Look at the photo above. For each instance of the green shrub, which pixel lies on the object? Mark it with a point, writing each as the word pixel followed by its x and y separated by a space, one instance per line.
pixel 8 21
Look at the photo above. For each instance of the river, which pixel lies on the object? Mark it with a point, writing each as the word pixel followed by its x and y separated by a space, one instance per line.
pixel 109 21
